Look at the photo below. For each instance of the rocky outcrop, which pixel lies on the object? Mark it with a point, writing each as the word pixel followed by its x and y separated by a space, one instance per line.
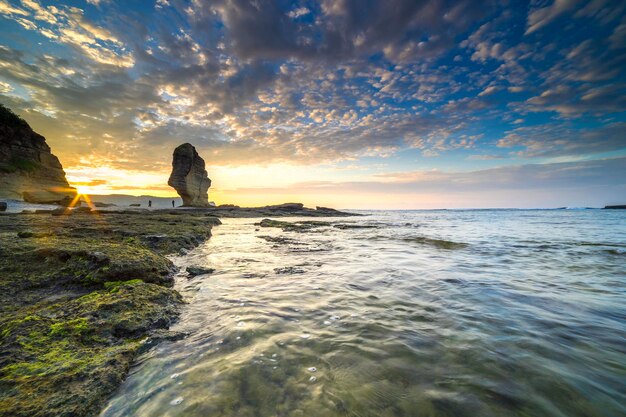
pixel 28 170
pixel 189 177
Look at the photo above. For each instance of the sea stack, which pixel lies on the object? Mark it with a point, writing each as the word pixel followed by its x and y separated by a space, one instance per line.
pixel 189 177
pixel 28 169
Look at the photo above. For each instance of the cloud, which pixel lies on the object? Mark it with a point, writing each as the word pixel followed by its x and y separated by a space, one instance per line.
pixel 68 25
pixel 561 140
pixel 573 101
pixel 542 16
pixel 7 9
pixel 488 91
pixel 300 11
pixel 591 183
pixel 343 30
pixel 255 82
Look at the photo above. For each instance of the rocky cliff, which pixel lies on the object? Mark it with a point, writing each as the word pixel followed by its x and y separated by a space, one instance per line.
pixel 28 170
pixel 189 177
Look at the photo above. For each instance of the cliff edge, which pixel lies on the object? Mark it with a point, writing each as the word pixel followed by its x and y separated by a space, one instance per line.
pixel 28 170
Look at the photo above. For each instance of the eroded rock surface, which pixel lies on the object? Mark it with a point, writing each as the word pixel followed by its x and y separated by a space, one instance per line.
pixel 81 296
pixel 189 177
pixel 28 169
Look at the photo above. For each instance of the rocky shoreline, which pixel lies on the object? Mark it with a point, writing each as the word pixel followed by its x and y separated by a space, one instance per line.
pixel 83 292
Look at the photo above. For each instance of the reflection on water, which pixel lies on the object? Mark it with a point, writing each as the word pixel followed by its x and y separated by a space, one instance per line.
pixel 429 313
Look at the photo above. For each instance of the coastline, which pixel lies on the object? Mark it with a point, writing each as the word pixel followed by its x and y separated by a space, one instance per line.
pixel 83 292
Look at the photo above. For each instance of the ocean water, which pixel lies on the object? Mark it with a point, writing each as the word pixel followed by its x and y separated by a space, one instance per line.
pixel 422 313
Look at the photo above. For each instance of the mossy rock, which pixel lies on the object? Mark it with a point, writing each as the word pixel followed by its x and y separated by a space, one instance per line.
pixel 85 345
pixel 78 296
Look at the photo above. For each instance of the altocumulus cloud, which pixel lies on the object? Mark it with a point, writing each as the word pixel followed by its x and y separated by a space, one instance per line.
pixel 308 82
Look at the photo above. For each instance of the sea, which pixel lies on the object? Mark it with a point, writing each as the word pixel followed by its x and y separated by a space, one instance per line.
pixel 450 313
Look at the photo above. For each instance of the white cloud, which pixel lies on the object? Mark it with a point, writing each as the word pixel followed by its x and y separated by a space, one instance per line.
pixel 300 11
pixel 541 17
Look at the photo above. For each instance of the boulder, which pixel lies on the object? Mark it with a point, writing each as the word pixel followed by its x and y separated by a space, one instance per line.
pixel 28 169
pixel 198 270
pixel 3 206
pixel 189 177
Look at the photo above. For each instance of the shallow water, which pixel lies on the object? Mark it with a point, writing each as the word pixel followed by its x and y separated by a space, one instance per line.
pixel 426 313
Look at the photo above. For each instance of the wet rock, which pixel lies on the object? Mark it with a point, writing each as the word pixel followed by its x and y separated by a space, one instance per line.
pixel 134 205
pixel 300 226
pixel 354 226
pixel 288 270
pixel 78 306
pixel 280 240
pixel 198 270
pixel 189 177
pixel 3 206
pixel 82 210
pixel 272 223
pixel 215 221
pixel 161 335
pixel 438 243
pixel 286 207
pixel 61 211
pixel 27 234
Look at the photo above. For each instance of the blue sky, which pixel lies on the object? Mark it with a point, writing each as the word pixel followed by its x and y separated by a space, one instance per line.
pixel 354 103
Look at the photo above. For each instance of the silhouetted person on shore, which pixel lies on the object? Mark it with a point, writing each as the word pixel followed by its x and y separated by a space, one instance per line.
pixel 172 203
pixel 149 203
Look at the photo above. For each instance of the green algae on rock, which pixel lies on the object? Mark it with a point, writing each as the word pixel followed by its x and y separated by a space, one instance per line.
pixel 79 297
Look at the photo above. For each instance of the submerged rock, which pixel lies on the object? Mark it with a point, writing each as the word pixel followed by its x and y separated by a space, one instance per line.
pixel 300 226
pixel 28 169
pixel 354 226
pixel 288 270
pixel 438 243
pixel 198 270
pixel 189 177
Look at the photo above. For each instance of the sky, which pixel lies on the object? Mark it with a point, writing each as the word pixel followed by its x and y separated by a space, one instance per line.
pixel 382 104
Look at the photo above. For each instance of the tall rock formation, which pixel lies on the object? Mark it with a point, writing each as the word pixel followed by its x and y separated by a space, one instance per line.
pixel 28 170
pixel 189 177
